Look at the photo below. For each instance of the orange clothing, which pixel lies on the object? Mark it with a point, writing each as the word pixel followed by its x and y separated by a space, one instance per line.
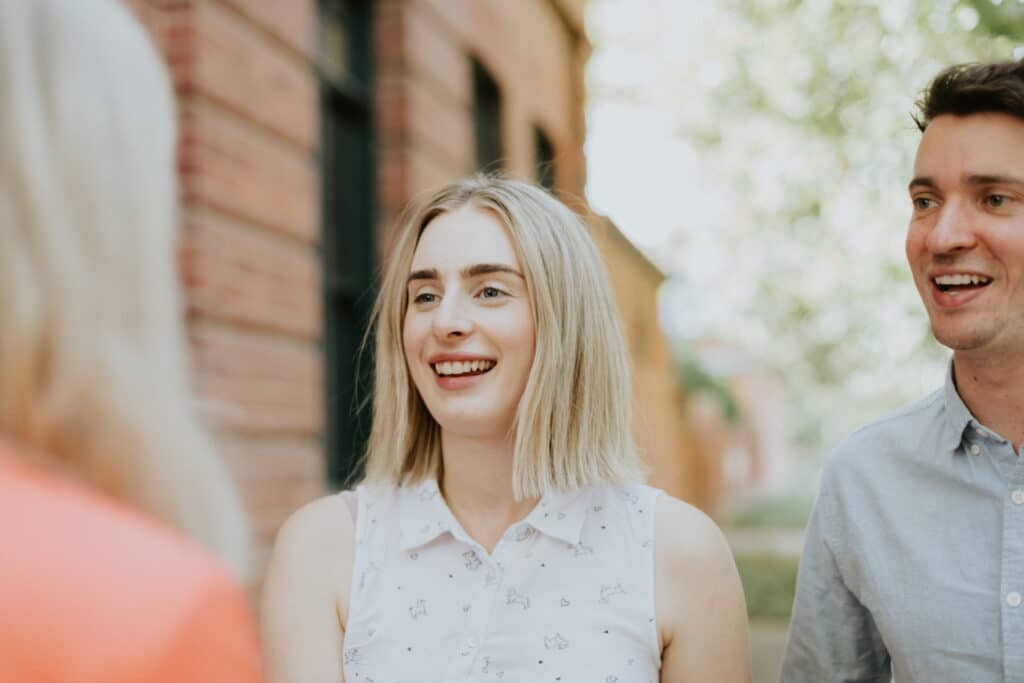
pixel 91 591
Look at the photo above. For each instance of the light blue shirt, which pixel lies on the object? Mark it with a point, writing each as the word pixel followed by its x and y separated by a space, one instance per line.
pixel 913 564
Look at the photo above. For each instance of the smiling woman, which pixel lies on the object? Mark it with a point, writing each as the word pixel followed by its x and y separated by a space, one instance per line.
pixel 501 531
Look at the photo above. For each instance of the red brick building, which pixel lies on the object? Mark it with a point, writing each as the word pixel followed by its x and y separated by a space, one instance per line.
pixel 305 128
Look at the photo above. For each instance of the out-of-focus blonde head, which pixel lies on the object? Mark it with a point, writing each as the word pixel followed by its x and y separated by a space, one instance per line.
pixel 573 423
pixel 93 371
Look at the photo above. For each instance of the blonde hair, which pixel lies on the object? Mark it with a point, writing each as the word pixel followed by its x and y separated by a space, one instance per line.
pixel 572 426
pixel 93 371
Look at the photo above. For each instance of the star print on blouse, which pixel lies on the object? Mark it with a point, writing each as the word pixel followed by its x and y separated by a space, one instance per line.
pixel 608 591
pixel 472 561
pixel 555 642
pixel 419 609
pixel 580 549
pixel 514 597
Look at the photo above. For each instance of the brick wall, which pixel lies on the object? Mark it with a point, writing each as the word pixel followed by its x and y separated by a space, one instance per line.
pixel 533 49
pixel 248 107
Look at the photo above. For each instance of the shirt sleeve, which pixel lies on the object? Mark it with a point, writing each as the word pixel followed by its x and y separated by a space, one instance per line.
pixel 216 641
pixel 832 636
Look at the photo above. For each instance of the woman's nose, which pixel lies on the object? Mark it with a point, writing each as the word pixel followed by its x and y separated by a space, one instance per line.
pixel 452 318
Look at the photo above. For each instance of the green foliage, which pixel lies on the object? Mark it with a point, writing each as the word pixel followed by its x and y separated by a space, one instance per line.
pixel 1004 19
pixel 781 511
pixel 816 119
pixel 692 377
pixel 769 583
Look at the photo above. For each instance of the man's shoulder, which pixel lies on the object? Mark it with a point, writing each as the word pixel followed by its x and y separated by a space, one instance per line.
pixel 892 435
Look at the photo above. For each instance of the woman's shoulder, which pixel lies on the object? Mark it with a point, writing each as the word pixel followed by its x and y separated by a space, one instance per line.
pixel 685 535
pixel 322 526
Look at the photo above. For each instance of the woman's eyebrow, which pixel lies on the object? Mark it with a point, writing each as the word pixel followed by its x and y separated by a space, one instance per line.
pixel 478 269
pixel 475 270
pixel 425 274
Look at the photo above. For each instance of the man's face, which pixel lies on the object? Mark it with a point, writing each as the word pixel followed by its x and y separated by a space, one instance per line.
pixel 965 242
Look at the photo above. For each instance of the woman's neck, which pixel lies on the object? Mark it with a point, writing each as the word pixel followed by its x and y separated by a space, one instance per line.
pixel 477 485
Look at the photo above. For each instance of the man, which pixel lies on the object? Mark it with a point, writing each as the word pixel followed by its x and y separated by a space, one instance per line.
pixel 913 566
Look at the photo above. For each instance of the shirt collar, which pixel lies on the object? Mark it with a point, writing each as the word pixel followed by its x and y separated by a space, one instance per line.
pixel 424 516
pixel 957 415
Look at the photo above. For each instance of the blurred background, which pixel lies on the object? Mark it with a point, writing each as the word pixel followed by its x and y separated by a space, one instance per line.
pixel 741 163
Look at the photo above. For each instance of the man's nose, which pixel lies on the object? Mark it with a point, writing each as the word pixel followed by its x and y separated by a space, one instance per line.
pixel 452 318
pixel 953 230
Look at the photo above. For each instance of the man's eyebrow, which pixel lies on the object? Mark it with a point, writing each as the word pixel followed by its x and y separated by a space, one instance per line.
pixel 922 181
pixel 993 179
pixel 974 179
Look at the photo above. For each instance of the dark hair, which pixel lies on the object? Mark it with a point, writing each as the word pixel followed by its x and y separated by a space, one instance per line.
pixel 972 89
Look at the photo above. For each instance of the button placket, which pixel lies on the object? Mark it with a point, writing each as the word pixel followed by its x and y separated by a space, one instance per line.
pixel 479 617
pixel 1012 580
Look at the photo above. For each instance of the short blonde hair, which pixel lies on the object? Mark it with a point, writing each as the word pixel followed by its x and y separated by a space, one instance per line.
pixel 572 426
pixel 93 371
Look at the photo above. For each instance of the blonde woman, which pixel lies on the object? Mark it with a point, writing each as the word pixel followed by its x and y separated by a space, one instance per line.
pixel 500 533
pixel 104 468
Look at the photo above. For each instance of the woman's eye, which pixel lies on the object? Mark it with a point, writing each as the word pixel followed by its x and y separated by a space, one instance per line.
pixel 425 298
pixel 490 292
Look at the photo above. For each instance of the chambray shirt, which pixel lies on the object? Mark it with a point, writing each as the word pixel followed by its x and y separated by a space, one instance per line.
pixel 913 564
pixel 567 594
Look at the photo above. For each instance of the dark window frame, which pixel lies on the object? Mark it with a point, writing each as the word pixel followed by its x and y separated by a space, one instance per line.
pixel 348 213
pixel 487 119
pixel 544 158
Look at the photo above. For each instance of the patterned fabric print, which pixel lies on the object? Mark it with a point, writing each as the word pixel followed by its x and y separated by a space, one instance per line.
pixel 567 594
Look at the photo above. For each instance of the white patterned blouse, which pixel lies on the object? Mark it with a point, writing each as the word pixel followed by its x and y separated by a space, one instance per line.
pixel 567 595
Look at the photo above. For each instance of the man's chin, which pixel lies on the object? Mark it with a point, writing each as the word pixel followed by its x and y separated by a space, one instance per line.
pixel 962 339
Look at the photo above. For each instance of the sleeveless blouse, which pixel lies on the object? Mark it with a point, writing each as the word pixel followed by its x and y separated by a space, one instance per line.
pixel 567 594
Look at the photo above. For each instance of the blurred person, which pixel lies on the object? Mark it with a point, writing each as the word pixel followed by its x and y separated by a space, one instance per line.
pixel 498 533
pixel 104 468
pixel 912 567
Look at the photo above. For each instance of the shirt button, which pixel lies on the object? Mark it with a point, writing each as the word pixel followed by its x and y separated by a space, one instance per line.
pixel 975 448
pixel 1017 497
pixel 1014 599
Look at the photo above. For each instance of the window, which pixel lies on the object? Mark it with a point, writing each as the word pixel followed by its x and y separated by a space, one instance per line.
pixel 347 233
pixel 487 119
pixel 544 158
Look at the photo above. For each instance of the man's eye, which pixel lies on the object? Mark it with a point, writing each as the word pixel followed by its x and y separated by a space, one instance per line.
pixel 995 200
pixel 922 203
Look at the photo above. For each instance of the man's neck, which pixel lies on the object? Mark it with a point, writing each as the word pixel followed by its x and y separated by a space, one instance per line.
pixel 477 485
pixel 993 390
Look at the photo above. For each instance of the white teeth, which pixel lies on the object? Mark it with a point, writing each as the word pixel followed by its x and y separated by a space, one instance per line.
pixel 962 279
pixel 462 367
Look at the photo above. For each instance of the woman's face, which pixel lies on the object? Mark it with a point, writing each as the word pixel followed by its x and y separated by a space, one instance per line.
pixel 468 332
